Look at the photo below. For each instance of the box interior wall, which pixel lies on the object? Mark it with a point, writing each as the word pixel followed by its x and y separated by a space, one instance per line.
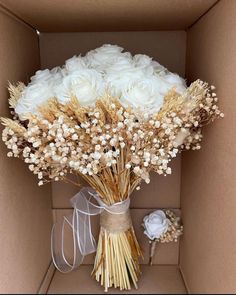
pixel 201 188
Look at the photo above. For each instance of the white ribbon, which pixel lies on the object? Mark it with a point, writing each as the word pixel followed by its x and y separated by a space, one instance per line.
pixel 83 240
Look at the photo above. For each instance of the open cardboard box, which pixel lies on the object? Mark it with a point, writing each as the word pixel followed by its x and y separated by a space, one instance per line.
pixel 196 39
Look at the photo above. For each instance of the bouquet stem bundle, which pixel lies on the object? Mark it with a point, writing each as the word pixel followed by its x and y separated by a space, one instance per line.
pixel 117 259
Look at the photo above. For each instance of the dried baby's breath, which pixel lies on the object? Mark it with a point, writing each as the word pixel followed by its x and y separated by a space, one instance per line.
pixel 114 149
pixel 175 228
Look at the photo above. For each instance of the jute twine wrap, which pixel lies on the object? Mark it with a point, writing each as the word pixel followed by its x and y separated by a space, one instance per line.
pixel 116 223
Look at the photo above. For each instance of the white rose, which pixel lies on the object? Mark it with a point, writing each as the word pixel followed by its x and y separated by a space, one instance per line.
pixel 58 75
pixel 75 63
pixel 138 82
pixel 144 63
pixel 144 93
pixel 38 91
pixel 33 96
pixel 52 77
pixel 87 85
pixel 41 76
pixel 103 57
pixel 159 70
pixel 121 65
pixel 120 74
pixel 156 224
pixel 176 81
pixel 58 72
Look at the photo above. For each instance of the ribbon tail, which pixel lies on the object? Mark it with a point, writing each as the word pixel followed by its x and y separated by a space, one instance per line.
pixel 83 241
pixel 84 236
pixel 80 225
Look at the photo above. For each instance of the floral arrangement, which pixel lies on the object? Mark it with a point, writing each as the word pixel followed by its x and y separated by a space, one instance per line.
pixel 111 118
pixel 161 226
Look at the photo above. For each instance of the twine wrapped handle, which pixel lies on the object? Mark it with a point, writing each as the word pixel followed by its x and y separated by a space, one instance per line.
pixel 86 203
pixel 153 246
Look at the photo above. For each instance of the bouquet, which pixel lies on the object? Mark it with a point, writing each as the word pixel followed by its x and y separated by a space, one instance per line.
pixel 111 118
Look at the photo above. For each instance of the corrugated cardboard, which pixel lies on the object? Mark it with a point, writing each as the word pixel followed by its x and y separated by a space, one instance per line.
pixel 154 280
pixel 208 191
pixel 208 257
pixel 25 210
pixel 109 15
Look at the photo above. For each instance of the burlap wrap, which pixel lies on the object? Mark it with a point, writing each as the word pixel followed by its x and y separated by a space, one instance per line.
pixel 115 223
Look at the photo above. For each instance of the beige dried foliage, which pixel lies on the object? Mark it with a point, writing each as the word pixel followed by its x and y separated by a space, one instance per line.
pixel 106 105
pixel 15 93
pixel 102 117
pixel 73 108
pixel 46 113
pixel 172 103
pixel 13 125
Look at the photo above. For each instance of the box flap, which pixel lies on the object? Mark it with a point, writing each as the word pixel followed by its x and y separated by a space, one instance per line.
pixel 108 15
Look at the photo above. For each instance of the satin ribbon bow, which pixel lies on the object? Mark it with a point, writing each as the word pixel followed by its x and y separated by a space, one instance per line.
pixel 80 224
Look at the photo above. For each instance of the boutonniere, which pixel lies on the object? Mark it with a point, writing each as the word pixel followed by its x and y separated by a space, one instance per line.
pixel 161 226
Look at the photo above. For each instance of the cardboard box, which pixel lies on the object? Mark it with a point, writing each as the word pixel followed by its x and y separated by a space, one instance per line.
pixel 196 39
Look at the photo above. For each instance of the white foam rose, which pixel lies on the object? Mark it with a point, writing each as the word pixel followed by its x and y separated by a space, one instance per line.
pixel 103 57
pixel 58 72
pixel 42 76
pixel 176 81
pixel 48 76
pixel 138 82
pixel 156 224
pixel 121 65
pixel 33 95
pixel 159 70
pixel 144 93
pixel 144 62
pixel 75 63
pixel 120 74
pixel 87 85
pixel 38 91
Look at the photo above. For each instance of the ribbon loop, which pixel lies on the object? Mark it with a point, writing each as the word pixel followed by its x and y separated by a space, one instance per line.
pixel 80 224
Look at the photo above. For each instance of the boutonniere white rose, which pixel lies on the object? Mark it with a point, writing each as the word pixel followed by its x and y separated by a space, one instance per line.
pixel 161 226
pixel 156 224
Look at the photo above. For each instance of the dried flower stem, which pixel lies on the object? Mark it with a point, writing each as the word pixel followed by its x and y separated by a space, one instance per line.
pixel 117 260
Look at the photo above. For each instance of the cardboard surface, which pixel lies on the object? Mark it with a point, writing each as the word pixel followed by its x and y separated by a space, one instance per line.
pixel 154 280
pixel 208 180
pixel 208 255
pixel 166 253
pixel 47 279
pixel 109 15
pixel 25 210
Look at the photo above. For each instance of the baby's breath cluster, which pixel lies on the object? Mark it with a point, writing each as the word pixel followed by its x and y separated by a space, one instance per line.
pixel 174 231
pixel 109 140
